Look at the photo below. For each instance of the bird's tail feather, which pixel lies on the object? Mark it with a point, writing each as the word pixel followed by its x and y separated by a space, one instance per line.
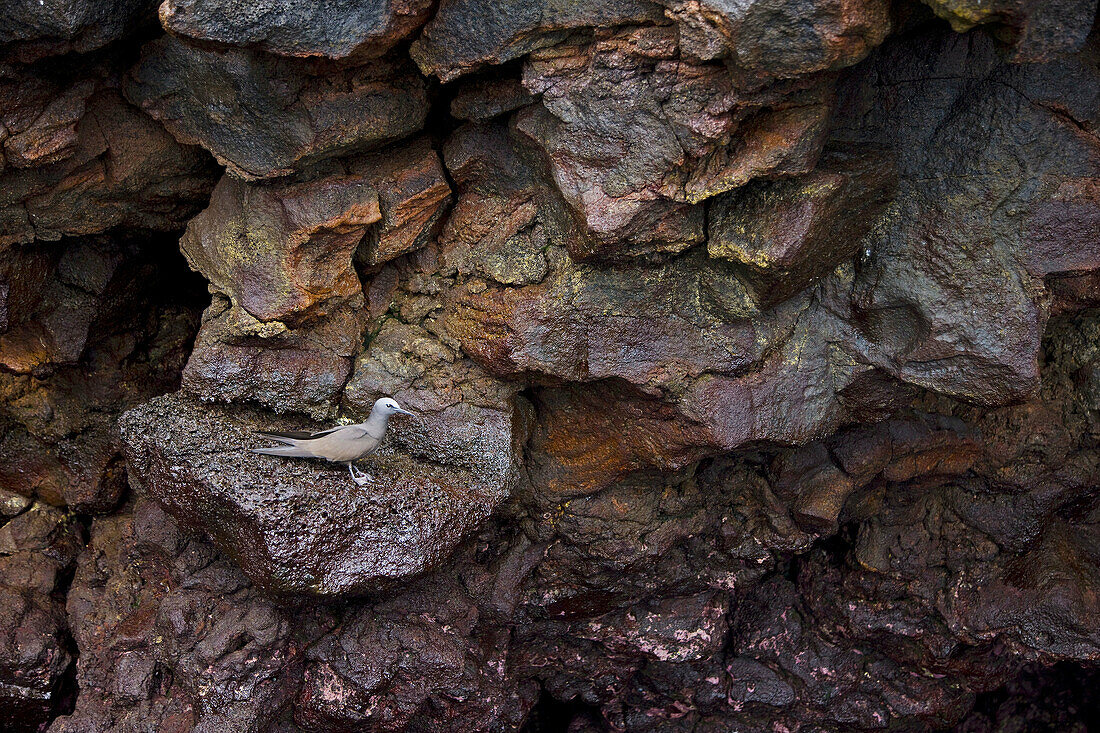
pixel 278 437
pixel 285 450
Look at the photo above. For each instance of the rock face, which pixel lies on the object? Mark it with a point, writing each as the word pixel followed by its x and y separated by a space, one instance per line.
pixel 282 113
pixel 36 28
pixel 38 544
pixel 754 351
pixel 78 160
pixel 336 30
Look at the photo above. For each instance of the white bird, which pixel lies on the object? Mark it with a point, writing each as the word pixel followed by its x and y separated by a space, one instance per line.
pixel 342 444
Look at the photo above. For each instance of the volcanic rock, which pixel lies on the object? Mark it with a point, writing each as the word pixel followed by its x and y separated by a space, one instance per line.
pixel 80 164
pixel 264 116
pixel 32 29
pixel 302 527
pixel 465 35
pixel 359 28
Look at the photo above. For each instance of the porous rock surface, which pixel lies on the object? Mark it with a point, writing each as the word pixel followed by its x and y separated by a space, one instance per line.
pixel 754 349
pixel 300 528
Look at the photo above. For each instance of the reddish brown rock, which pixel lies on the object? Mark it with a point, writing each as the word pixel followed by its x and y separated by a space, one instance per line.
pixel 413 197
pixel 264 116
pixel 790 233
pixel 631 165
pixel 465 35
pixel 411 653
pixel 237 358
pixel 358 28
pixel 282 252
pixel 38 545
pixel 505 215
pixel 92 326
pixel 1063 233
pixel 39 123
pixel 586 438
pixel 172 637
pixel 818 486
pixel 121 169
pixel 781 37
pixel 284 324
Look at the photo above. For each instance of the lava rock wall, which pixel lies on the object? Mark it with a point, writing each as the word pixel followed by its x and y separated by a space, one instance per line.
pixel 754 349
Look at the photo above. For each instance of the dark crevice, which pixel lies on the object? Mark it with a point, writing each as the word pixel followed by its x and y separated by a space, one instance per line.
pixel 551 715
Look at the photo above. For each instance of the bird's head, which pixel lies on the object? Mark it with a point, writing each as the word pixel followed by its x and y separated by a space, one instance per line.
pixel 387 407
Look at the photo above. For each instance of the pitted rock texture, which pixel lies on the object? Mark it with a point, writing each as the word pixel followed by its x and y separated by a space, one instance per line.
pixel 301 529
pixel 754 350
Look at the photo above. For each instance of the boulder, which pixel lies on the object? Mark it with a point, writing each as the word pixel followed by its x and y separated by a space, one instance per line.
pixel 265 116
pixel 79 162
pixel 303 527
pixel 357 28
pixel 32 29
pixel 466 35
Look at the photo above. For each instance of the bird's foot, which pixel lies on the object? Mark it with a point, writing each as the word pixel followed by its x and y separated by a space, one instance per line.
pixel 363 479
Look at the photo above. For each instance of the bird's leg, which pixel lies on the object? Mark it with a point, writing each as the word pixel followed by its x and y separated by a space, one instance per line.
pixel 360 478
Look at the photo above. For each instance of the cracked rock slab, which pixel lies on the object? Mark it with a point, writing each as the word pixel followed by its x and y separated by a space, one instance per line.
pixel 300 526
pixel 335 29
pixel 264 116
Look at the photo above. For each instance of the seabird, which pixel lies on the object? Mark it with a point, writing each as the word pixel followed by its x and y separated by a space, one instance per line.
pixel 342 444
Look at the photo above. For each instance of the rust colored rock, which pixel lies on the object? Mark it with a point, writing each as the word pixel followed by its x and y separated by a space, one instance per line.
pixel 92 326
pixel 121 170
pixel 413 196
pixel 38 545
pixel 282 252
pixel 631 165
pixel 588 437
pixel 393 667
pixel 790 233
pixel 39 122
pixel 687 333
pixel 32 29
pixel 264 116
pixel 310 531
pixel 356 28
pixel 172 637
pixel 465 35
pixel 284 323
pixel 906 447
pixel 818 486
pixel 782 38
pixel 1037 31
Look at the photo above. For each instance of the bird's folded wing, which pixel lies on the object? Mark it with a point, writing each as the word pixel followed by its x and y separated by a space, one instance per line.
pixel 298 434
pixel 346 432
